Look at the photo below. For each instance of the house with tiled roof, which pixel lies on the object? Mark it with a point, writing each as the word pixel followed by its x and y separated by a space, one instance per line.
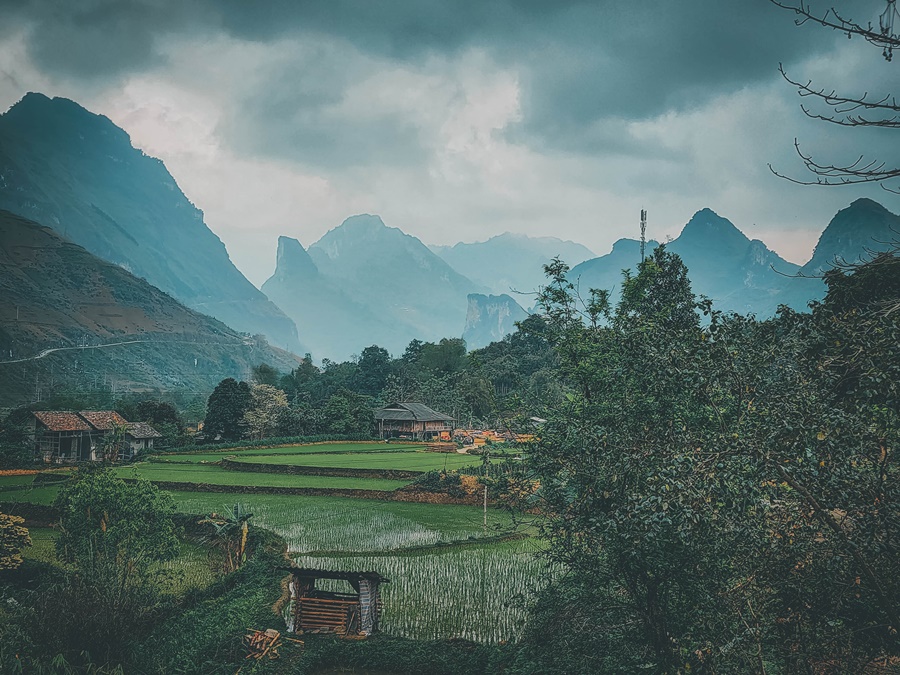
pixel 413 420
pixel 65 436
pixel 61 436
pixel 140 437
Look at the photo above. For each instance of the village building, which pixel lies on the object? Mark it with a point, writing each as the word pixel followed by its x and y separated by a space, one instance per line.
pixel 61 436
pixel 413 420
pixel 64 436
pixel 139 437
pixel 315 610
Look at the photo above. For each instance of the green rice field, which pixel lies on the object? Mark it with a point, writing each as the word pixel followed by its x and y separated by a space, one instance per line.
pixel 315 449
pixel 403 461
pixel 15 481
pixel 215 475
pixel 451 577
pixel 36 495
pixel 335 524
pixel 479 593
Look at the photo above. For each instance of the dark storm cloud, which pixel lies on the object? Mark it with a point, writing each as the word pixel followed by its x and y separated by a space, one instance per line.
pixel 580 64
pixel 96 39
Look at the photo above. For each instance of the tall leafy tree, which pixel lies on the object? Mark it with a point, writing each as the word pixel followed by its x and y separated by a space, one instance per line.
pixel 719 492
pixel 225 409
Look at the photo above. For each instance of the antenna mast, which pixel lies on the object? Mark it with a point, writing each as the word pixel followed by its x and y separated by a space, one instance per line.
pixel 643 232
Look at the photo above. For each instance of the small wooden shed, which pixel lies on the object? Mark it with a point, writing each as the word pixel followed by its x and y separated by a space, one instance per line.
pixel 314 610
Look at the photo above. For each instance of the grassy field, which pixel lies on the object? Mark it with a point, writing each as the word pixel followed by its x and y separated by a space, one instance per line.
pixel 12 481
pixel 404 461
pixel 479 593
pixel 317 448
pixel 450 577
pixel 315 524
pixel 188 473
pixel 38 495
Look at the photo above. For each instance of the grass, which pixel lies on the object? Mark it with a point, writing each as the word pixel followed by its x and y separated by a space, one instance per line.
pixel 12 481
pixel 337 524
pixel 214 475
pixel 36 495
pixel 404 461
pixel 317 448
pixel 479 593
pixel 42 547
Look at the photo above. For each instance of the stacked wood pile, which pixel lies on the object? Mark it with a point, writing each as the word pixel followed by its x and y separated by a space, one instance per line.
pixel 329 615
pixel 264 643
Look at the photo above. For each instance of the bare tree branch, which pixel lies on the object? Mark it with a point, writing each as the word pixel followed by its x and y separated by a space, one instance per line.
pixel 883 36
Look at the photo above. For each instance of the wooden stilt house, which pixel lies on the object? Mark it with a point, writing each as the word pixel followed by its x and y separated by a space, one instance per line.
pixel 413 420
pixel 315 610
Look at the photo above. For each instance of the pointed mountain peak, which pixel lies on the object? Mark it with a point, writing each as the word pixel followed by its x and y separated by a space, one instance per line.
pixel 293 263
pixel 853 234
pixel 707 222
pixel 710 232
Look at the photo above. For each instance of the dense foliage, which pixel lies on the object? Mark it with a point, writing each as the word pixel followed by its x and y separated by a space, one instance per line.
pixel 723 492
pixel 112 535
pixel 13 538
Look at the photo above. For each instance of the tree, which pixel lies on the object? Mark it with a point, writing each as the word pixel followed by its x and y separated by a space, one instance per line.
pixel 374 368
pixel 267 404
pixel 225 409
pixel 854 110
pixel 348 413
pixel 13 538
pixel 112 537
pixel 717 493
pixel 265 374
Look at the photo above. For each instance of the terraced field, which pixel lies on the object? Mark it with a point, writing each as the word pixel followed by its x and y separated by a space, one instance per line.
pixel 215 475
pixel 402 461
pixel 315 448
pixel 342 525
pixel 451 576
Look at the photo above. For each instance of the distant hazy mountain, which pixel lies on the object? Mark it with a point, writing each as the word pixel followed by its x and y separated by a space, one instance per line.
pixel 738 274
pixel 853 235
pixel 336 325
pixel 490 318
pixel 605 272
pixel 54 293
pixel 510 262
pixel 396 277
pixel 78 173
pixel 724 265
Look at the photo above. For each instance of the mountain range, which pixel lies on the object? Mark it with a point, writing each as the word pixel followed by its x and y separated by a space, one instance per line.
pixel 743 275
pixel 60 302
pixel 362 283
pixel 77 172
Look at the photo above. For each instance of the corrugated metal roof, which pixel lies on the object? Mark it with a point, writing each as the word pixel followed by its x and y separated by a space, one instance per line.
pixel 103 420
pixel 61 420
pixel 418 412
pixel 142 430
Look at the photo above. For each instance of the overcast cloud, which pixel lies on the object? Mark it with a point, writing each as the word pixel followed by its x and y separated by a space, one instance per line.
pixel 461 120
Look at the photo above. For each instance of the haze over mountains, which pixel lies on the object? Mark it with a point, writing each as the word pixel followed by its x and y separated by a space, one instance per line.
pixel 77 172
pixel 364 282
pixel 511 262
pixel 743 275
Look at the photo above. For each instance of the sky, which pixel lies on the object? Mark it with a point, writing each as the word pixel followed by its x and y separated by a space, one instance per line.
pixel 460 120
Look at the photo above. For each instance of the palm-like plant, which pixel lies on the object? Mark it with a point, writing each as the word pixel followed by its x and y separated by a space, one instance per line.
pixel 231 530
